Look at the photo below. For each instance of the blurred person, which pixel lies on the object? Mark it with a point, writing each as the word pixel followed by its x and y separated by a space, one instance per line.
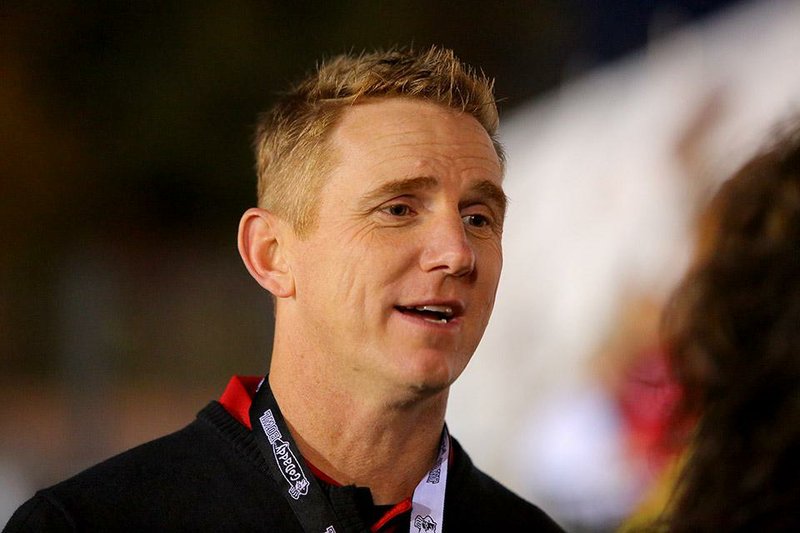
pixel 378 234
pixel 733 328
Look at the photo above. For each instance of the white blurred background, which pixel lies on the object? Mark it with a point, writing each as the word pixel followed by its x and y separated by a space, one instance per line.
pixel 606 175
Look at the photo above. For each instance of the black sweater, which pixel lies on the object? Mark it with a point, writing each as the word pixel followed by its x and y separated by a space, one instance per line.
pixel 211 476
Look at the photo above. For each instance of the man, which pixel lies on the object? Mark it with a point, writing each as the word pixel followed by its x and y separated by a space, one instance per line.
pixel 378 233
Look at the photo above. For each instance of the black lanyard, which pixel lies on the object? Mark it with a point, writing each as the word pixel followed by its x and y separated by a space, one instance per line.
pixel 288 468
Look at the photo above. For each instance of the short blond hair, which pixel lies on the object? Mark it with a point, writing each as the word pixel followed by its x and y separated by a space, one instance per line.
pixel 290 143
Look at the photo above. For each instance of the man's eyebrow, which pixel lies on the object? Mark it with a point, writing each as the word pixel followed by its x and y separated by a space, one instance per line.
pixel 493 193
pixel 400 187
pixel 484 190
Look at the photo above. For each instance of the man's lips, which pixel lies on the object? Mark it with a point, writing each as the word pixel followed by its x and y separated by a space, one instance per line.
pixel 435 312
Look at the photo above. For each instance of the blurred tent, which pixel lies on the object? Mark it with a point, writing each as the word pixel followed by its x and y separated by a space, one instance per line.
pixel 605 175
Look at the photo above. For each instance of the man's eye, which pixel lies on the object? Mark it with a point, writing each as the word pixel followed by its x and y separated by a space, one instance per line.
pixel 398 210
pixel 476 221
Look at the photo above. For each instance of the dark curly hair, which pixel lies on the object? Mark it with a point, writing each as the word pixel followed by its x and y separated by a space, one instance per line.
pixel 733 328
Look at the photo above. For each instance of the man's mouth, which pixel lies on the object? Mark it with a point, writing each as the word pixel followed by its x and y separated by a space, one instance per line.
pixel 439 314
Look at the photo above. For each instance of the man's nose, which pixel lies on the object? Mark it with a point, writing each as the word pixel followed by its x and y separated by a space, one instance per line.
pixel 447 249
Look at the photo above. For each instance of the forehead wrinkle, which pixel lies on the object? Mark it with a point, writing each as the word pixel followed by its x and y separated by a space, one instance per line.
pixel 469 162
pixel 480 163
pixel 415 138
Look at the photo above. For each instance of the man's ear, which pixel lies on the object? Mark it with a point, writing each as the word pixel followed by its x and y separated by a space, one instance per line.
pixel 261 248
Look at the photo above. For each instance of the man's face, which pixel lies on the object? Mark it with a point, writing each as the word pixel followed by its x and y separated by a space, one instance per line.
pixel 396 283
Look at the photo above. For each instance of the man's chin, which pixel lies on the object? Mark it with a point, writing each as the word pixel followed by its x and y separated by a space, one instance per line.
pixel 423 373
pixel 430 387
pixel 427 384
pixel 416 392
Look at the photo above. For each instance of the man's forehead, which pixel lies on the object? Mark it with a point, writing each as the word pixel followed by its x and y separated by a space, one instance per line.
pixel 389 147
pixel 391 129
pixel 376 118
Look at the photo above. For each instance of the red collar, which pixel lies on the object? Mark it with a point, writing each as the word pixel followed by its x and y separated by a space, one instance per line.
pixel 236 400
pixel 238 396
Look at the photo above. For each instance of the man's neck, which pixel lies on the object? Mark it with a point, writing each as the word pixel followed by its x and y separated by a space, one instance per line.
pixel 387 444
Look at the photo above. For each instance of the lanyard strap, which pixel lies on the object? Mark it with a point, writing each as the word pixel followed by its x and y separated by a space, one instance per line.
pixel 427 505
pixel 303 492
pixel 286 465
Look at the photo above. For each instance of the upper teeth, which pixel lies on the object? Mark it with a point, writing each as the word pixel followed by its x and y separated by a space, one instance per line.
pixel 443 309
